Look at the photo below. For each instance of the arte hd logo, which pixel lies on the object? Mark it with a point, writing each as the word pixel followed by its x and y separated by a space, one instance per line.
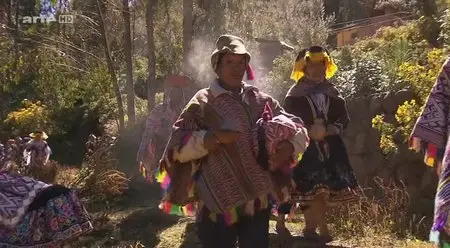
pixel 51 11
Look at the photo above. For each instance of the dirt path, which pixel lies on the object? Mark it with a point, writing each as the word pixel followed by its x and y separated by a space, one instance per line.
pixel 136 222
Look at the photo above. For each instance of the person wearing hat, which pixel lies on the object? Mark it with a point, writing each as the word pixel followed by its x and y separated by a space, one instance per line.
pixel 210 162
pixel 324 175
pixel 159 123
pixel 37 153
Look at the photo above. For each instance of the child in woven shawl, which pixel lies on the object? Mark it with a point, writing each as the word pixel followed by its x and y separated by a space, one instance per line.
pixel 34 214
pixel 324 174
pixel 211 156
pixel 431 135
pixel 270 132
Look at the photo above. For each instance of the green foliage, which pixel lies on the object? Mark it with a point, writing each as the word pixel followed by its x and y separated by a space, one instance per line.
pixel 361 77
pixel 280 77
pixel 396 58
pixel 430 27
pixel 372 65
pixel 445 28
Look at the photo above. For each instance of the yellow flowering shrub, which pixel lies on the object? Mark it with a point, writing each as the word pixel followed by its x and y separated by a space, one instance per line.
pixel 33 116
pixel 420 78
pixel 387 143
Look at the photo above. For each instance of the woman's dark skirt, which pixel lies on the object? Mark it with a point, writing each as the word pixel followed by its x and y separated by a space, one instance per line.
pixel 325 169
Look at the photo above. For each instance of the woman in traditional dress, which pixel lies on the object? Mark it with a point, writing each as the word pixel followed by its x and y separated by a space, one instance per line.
pixel 211 156
pixel 37 156
pixel 431 135
pixel 35 214
pixel 159 124
pixel 324 175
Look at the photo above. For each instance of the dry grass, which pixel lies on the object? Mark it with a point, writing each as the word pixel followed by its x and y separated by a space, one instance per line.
pixel 383 209
pixel 66 175
pixel 98 178
pixel 104 183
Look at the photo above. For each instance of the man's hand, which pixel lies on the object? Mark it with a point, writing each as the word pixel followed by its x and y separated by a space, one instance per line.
pixel 227 136
pixel 214 138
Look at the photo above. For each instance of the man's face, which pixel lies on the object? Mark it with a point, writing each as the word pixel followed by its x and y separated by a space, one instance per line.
pixel 231 69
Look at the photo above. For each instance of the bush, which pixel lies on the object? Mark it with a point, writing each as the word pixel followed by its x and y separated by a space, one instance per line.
pixel 31 117
pixel 99 178
pixel 279 80
pixel 445 28
pixel 362 77
pixel 395 58
pixel 420 78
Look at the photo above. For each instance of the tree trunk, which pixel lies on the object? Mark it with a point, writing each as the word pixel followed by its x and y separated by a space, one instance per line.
pixel 111 70
pixel 131 111
pixel 332 8
pixel 151 80
pixel 218 18
pixel 188 8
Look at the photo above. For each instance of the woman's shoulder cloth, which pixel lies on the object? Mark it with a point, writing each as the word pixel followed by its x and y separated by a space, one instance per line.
pixel 295 91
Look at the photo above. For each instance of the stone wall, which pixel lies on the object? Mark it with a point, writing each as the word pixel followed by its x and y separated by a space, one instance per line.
pixel 369 162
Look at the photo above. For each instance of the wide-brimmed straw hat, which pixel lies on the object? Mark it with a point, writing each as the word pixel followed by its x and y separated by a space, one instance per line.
pixel 37 133
pixel 231 44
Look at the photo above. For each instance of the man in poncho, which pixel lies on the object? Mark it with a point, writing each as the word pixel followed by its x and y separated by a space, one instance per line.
pixel 431 135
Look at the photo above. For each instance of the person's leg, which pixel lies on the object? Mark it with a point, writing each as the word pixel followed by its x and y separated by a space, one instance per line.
pixel 280 227
pixel 311 221
pixel 321 217
pixel 253 232
pixel 215 234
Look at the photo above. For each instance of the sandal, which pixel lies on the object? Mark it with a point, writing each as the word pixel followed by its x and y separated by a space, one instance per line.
pixel 283 231
pixel 311 235
pixel 326 238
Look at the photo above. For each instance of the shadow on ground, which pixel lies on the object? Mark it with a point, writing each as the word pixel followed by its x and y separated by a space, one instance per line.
pixel 190 240
pixel 144 226
pixel 297 242
pixel 133 219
